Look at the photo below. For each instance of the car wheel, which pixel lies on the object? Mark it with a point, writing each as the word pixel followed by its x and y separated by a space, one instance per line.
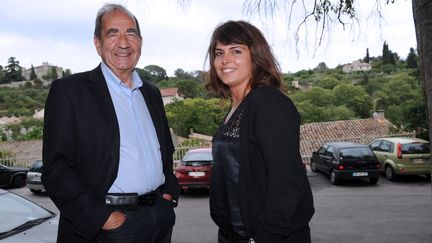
pixel 374 180
pixel 389 173
pixel 428 177
pixel 333 178
pixel 35 191
pixel 313 167
pixel 19 181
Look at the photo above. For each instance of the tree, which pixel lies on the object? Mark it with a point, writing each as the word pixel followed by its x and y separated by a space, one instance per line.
pixel 181 74
pixel 329 83
pixel 422 10
pixel 13 71
pixel 411 60
pixel 322 67
pixel 387 55
pixel 156 73
pixel 51 74
pixel 66 72
pixel 1 73
pixel 203 116
pixel 33 75
pixel 54 73
pixel 353 97
pixel 188 88
pixel 367 58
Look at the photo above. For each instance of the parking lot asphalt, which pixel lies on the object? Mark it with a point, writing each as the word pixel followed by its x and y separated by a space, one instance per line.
pixel 396 212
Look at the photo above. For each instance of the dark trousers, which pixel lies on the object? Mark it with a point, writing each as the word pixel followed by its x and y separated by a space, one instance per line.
pixel 148 224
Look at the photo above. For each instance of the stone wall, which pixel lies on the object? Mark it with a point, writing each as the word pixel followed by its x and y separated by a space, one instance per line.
pixel 25 151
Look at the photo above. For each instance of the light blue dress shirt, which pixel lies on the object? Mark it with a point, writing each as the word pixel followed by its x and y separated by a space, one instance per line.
pixel 140 167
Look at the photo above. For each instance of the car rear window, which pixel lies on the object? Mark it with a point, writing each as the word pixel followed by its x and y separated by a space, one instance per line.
pixel 355 153
pixel 36 166
pixel 196 159
pixel 415 148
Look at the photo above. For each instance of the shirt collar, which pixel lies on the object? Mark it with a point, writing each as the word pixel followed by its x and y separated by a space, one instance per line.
pixel 113 79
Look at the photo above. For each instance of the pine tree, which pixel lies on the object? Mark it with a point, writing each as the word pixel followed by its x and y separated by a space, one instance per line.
pixel 13 70
pixel 367 58
pixel 33 75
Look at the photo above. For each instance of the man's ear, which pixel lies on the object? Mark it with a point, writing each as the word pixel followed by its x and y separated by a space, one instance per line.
pixel 98 45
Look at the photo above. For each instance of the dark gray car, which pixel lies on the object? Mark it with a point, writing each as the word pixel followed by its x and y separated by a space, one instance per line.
pixel 12 176
pixel 346 160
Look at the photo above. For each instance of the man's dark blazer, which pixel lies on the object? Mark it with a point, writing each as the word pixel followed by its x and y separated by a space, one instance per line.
pixel 81 147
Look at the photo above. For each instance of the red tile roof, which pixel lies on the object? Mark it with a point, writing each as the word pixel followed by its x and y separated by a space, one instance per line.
pixel 169 92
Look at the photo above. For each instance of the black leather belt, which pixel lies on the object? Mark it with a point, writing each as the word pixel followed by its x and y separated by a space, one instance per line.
pixel 130 201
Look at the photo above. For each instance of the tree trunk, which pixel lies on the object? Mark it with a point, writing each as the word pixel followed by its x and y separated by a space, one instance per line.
pixel 422 12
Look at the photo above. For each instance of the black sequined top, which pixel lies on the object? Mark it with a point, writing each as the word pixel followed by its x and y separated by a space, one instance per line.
pixel 224 205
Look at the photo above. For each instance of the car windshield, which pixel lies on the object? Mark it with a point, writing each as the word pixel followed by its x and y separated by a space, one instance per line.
pixel 36 166
pixel 415 148
pixel 197 158
pixel 17 212
pixel 355 153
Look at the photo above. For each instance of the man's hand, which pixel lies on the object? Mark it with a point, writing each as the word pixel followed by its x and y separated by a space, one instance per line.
pixel 115 220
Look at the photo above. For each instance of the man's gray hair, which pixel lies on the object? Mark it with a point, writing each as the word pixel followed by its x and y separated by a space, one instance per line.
pixel 111 7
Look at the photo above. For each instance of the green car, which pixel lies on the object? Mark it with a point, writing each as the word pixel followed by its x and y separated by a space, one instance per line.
pixel 402 156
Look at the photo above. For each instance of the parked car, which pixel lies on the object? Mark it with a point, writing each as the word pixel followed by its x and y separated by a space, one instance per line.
pixel 194 170
pixel 12 176
pixel 403 156
pixel 24 221
pixel 346 160
pixel 33 181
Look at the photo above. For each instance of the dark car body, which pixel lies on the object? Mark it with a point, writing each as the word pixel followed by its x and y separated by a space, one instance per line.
pixel 346 160
pixel 34 182
pixel 194 170
pixel 12 176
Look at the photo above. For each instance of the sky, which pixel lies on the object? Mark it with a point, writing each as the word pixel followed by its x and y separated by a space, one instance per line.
pixel 174 36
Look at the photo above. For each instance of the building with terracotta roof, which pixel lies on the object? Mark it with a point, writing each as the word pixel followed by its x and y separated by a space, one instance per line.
pixel 170 95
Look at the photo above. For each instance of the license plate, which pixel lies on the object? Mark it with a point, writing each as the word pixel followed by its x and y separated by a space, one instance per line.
pixel 196 173
pixel 419 161
pixel 360 173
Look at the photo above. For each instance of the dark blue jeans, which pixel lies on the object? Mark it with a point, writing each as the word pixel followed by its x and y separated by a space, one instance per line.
pixel 148 224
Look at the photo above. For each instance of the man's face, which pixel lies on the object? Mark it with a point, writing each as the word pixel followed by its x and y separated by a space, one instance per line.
pixel 120 44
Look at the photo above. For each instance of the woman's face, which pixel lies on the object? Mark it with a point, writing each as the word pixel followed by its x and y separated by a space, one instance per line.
pixel 233 65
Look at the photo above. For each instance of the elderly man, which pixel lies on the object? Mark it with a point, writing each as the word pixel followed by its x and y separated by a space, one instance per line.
pixel 107 147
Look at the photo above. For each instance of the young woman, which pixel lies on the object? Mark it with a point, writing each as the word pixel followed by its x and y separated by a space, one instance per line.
pixel 259 188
